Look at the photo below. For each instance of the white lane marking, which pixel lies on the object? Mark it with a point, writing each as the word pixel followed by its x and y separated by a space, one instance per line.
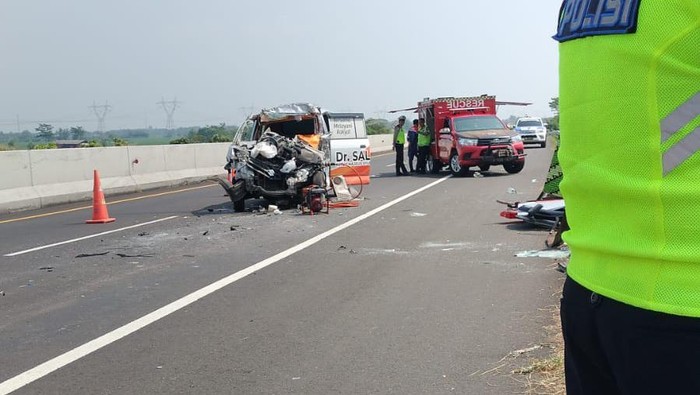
pixel 391 165
pixel 73 355
pixel 89 237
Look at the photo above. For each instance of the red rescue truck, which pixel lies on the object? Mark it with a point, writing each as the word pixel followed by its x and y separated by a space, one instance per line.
pixel 467 133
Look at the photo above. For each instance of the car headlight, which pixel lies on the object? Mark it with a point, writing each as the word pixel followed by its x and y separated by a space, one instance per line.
pixel 516 139
pixel 467 142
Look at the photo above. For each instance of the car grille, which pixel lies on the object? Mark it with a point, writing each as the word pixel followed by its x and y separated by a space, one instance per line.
pixel 494 141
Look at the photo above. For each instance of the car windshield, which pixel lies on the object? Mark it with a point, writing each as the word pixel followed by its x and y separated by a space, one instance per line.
pixel 470 124
pixel 529 123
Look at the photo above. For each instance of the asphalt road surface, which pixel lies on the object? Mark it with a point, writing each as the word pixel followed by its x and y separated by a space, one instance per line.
pixel 416 291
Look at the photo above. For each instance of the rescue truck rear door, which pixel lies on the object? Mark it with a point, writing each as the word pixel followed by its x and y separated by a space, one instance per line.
pixel 350 150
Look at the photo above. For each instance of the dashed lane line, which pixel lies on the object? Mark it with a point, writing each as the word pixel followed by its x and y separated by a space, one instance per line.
pixel 112 202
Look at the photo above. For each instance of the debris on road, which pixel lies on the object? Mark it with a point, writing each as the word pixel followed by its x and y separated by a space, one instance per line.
pixel 512 190
pixel 477 175
pixel 206 232
pixel 49 269
pixel 415 214
pixel 119 254
pixel 89 255
pixel 525 350
pixel 553 254
pixel 143 234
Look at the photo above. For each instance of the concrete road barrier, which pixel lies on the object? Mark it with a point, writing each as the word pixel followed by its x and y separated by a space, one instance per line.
pixel 38 178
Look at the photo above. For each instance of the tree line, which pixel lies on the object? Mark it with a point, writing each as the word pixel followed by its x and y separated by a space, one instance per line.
pixel 45 136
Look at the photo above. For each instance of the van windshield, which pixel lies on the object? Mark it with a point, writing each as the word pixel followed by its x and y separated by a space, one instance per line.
pixel 529 123
pixel 245 132
pixel 470 124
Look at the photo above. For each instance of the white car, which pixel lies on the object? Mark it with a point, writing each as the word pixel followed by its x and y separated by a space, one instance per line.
pixel 532 130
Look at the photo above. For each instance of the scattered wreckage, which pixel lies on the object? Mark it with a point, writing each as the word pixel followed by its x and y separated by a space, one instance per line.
pixel 542 213
pixel 289 154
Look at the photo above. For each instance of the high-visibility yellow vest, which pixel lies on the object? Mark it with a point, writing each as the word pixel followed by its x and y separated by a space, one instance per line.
pixel 400 136
pixel 423 137
pixel 629 105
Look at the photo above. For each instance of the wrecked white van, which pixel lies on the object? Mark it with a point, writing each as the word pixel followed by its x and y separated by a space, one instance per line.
pixel 278 152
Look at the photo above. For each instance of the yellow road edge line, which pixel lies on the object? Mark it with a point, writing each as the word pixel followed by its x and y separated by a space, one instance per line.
pixel 114 202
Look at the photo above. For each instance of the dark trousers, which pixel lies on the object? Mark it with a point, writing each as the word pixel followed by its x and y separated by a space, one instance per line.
pixel 615 348
pixel 422 158
pixel 412 153
pixel 400 167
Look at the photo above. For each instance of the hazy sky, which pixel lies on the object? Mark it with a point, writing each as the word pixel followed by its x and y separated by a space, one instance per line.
pixel 219 57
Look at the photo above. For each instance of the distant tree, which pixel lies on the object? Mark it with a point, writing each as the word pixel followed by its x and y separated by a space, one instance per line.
pixel 63 134
pixel 378 126
pixel 137 134
pixel 119 142
pixel 553 123
pixel 181 140
pixel 11 144
pixel 94 143
pixel 217 138
pixel 45 132
pixel 49 145
pixel 77 132
pixel 207 133
pixel 554 105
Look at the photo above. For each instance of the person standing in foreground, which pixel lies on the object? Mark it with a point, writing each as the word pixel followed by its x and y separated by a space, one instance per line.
pixel 412 144
pixel 630 135
pixel 423 146
pixel 399 141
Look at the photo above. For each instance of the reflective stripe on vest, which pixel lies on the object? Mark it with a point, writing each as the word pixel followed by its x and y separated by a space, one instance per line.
pixel 673 123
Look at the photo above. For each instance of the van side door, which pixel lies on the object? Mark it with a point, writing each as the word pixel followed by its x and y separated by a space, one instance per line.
pixel 350 150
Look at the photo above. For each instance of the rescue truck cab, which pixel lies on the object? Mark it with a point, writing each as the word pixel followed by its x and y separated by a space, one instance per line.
pixel 467 133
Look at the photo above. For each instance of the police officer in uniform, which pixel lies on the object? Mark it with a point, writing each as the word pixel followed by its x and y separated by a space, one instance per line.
pixel 630 135
pixel 423 146
pixel 399 141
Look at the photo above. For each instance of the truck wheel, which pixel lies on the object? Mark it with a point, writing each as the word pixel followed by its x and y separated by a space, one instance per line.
pixel 455 168
pixel 514 167
pixel 484 167
pixel 239 206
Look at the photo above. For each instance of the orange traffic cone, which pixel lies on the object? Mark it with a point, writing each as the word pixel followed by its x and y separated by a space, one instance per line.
pixel 99 206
